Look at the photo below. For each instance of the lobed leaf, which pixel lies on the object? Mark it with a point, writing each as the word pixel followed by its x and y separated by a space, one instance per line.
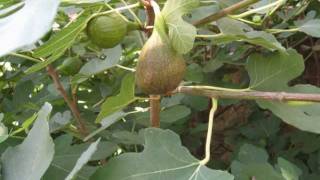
pixel 181 33
pixel 163 158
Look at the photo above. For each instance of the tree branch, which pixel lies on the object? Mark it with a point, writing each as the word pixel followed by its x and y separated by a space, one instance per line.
pixel 224 12
pixel 72 104
pixel 248 95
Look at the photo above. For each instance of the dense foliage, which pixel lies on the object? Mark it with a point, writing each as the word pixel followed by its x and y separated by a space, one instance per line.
pixel 70 108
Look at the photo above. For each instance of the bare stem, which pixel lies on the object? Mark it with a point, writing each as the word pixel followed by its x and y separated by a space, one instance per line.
pixel 249 95
pixel 72 104
pixel 155 110
pixel 224 12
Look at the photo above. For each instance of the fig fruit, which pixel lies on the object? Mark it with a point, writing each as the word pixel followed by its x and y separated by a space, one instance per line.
pixel 160 68
pixel 70 66
pixel 107 31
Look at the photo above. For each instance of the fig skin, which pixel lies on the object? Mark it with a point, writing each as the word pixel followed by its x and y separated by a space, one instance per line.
pixel 107 31
pixel 160 69
pixel 70 66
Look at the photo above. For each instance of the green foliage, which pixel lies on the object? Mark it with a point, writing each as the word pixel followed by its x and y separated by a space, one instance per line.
pixel 163 148
pixel 116 103
pixel 181 33
pixel 34 155
pixel 19 23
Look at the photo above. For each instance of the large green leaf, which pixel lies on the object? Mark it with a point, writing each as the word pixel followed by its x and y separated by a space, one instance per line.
pixel 181 33
pixel 163 158
pixel 28 25
pixel 116 103
pixel 303 116
pixel 59 43
pixel 30 159
pixel 272 73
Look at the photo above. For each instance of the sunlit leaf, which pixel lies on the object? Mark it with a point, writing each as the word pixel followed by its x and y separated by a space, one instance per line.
pixel 30 159
pixel 21 29
pixel 115 103
pixel 59 43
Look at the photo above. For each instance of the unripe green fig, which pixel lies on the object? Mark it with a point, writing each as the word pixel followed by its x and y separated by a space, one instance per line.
pixel 107 31
pixel 70 66
pixel 160 69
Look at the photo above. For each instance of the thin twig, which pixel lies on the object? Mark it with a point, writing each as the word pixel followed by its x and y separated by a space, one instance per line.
pixel 249 95
pixel 72 105
pixel 224 12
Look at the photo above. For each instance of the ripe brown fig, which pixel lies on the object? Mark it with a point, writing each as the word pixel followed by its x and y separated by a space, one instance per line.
pixel 160 69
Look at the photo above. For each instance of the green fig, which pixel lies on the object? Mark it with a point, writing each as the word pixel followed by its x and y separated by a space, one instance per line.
pixel 70 66
pixel 107 31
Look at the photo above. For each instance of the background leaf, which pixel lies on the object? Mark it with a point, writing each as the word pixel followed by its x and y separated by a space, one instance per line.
pixel 273 73
pixel 59 43
pixel 311 28
pixel 115 103
pixel 67 154
pixel 289 171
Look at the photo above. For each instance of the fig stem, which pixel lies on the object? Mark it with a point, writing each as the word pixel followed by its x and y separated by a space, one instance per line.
pixel 155 110
pixel 209 132
pixel 70 102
